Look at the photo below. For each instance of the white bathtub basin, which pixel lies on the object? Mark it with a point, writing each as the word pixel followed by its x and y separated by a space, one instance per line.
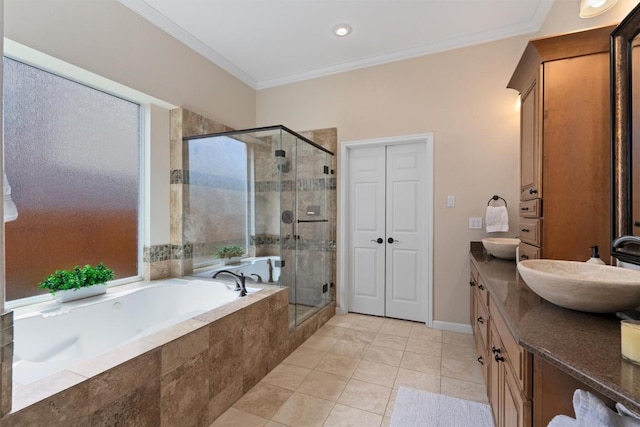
pixel 62 335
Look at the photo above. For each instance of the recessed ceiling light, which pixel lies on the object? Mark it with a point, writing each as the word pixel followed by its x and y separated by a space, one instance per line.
pixel 342 30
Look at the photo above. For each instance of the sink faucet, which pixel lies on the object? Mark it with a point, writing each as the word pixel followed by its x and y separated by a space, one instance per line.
pixel 625 239
pixel 239 286
pixel 258 278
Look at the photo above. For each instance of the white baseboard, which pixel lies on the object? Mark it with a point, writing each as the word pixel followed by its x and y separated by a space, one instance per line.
pixel 453 327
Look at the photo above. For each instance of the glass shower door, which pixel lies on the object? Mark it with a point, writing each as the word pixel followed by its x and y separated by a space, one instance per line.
pixel 312 288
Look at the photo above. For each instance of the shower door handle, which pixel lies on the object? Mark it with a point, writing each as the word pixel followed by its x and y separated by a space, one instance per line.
pixel 378 240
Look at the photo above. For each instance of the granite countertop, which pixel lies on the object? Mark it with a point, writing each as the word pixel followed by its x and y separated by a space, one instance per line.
pixel 586 346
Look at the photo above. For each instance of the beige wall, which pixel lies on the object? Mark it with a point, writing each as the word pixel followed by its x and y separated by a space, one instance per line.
pixel 461 97
pixel 108 39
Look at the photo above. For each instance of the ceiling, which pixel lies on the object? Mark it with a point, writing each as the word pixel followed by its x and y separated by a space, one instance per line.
pixel 268 43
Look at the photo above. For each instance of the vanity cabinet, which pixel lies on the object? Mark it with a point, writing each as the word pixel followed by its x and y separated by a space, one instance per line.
pixel 506 367
pixel 565 145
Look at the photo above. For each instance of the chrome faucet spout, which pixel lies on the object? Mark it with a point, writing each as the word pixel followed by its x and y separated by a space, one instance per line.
pixel 239 286
pixel 625 239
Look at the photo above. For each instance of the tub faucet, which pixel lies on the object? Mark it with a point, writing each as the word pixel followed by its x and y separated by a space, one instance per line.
pixel 240 286
pixel 270 270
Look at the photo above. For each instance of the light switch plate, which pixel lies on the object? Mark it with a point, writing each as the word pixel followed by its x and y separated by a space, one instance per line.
pixel 475 223
pixel 451 201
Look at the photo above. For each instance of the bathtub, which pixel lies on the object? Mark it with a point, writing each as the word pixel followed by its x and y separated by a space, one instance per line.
pixel 61 335
pixel 251 267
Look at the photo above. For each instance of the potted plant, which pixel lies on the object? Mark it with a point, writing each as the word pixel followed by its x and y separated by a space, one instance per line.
pixel 77 283
pixel 230 253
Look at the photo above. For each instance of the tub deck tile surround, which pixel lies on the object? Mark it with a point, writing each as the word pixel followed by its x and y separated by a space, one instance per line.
pixel 188 374
pixel 6 360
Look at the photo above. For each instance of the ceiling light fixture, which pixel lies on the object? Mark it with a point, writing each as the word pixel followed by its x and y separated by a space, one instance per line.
pixel 342 30
pixel 591 8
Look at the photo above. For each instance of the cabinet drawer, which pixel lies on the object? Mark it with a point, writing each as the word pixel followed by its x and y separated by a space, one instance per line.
pixel 473 279
pixel 531 231
pixel 482 324
pixel 529 252
pixel 482 294
pixel 531 208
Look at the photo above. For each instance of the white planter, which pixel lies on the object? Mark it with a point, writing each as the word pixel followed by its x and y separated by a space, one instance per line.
pixel 232 261
pixel 80 293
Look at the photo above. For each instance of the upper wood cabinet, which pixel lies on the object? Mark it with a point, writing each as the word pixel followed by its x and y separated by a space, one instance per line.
pixel 565 165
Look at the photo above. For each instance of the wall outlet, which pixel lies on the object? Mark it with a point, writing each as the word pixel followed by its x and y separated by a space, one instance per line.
pixel 475 223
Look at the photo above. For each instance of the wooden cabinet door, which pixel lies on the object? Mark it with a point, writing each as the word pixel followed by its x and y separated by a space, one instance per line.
pixel 530 165
pixel 495 377
pixel 577 152
pixel 515 411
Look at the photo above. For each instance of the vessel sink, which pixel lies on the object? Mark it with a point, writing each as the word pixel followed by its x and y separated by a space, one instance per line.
pixel 501 247
pixel 580 286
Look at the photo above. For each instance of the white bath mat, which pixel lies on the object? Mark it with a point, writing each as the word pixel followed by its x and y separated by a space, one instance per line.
pixel 417 408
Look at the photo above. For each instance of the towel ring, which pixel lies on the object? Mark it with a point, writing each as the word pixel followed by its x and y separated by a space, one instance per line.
pixel 496 197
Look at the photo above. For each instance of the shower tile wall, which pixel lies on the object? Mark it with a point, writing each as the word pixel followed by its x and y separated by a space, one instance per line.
pixel 176 258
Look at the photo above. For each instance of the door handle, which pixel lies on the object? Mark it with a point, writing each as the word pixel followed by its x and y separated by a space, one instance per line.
pixel 390 240
pixel 378 240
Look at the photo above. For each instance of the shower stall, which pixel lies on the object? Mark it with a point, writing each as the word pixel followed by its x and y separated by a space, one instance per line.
pixel 272 192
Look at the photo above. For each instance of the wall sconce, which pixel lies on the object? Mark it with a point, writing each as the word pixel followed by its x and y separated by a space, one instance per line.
pixel 591 8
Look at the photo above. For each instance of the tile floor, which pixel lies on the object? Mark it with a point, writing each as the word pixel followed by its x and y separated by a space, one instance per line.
pixel 349 371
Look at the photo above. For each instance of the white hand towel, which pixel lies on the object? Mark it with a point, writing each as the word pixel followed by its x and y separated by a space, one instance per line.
pixel 497 219
pixel 591 411
pixel 10 210
pixel 562 421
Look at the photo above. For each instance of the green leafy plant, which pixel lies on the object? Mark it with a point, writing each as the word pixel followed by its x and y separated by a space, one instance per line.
pixel 229 251
pixel 77 278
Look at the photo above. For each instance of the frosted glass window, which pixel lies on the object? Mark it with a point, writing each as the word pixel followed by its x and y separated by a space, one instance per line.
pixel 72 159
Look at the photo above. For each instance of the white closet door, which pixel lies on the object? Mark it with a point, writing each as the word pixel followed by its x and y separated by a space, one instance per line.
pixel 387 223
pixel 406 284
pixel 367 170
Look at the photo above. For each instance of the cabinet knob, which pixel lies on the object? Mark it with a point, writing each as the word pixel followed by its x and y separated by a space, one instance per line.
pixel 533 191
pixel 494 350
pixel 481 287
pixel 480 360
pixel 524 209
pixel 525 230
pixel 480 320
pixel 524 256
pixel 499 358
pixel 472 283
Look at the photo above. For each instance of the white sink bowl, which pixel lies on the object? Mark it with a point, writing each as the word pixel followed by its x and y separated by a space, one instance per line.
pixel 580 286
pixel 501 247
